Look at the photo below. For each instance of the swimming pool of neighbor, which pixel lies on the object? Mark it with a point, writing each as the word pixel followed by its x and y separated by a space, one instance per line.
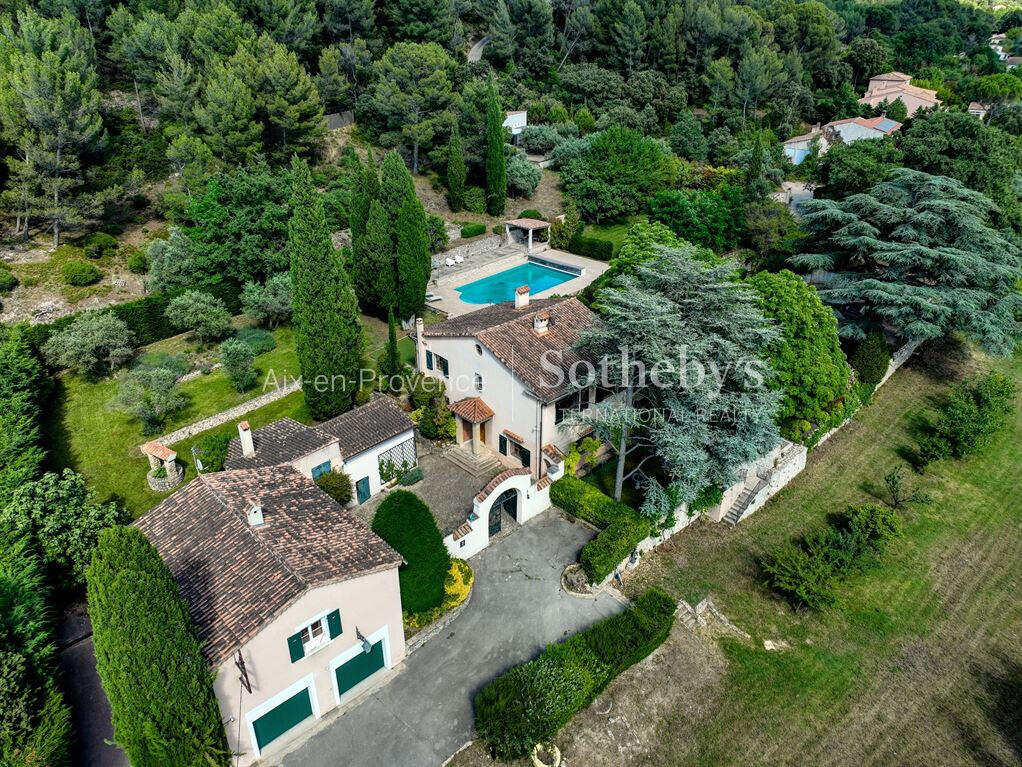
pixel 502 285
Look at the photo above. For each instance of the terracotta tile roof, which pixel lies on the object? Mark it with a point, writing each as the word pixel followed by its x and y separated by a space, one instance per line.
pixel 158 450
pixel 492 484
pixel 367 426
pixel 544 482
pixel 552 452
pixel 472 409
pixel 528 223
pixel 514 437
pixel 461 531
pixel 282 441
pixel 508 333
pixel 236 578
pixel 898 77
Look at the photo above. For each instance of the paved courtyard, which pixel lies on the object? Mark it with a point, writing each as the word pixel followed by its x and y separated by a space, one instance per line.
pixel 424 714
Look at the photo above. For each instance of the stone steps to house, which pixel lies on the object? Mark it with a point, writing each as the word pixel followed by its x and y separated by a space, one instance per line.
pixel 481 465
pixel 734 514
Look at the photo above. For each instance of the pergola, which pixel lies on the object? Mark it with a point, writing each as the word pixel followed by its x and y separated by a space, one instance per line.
pixel 529 225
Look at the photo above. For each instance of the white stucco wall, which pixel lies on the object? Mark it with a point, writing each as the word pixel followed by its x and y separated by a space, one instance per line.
pixel 371 602
pixel 307 463
pixel 367 463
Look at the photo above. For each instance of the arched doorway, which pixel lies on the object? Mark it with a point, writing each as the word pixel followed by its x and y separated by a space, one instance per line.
pixel 506 501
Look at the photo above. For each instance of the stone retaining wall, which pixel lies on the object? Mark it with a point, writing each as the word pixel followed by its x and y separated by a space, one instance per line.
pixel 229 415
pixel 469 249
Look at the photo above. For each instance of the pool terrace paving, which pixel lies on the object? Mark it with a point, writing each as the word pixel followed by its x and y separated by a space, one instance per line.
pixel 447 279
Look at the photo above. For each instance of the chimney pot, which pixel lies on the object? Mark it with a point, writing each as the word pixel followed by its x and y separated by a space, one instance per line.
pixel 540 322
pixel 522 297
pixel 245 435
pixel 255 514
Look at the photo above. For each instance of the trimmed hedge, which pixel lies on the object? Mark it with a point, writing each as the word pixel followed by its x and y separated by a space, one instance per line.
pixel 472 230
pixel 591 247
pixel 582 500
pixel 871 358
pixel 148 657
pixel 606 551
pixel 407 524
pixel 145 317
pixel 531 702
pixel 621 526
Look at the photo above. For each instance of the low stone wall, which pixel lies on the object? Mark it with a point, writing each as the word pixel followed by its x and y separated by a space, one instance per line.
pixel 229 415
pixel 167 483
pixel 438 625
pixel 469 249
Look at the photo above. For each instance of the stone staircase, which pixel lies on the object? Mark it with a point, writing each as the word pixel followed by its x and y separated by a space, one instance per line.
pixel 484 465
pixel 741 504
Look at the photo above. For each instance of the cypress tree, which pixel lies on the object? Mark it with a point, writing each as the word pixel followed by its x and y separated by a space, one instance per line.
pixel 413 259
pixel 396 186
pixel 149 659
pixel 328 335
pixel 378 262
pixel 390 360
pixel 456 172
pixel 361 197
pixel 496 162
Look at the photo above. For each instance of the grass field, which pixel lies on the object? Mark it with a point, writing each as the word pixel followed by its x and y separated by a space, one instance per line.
pixel 615 232
pixel 87 435
pixel 919 662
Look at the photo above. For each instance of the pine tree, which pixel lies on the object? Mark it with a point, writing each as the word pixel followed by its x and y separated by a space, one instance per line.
pixel 349 19
pixel 227 116
pixel 421 21
pixel 413 259
pixel 500 49
pixel 328 335
pixel 177 88
pixel 288 102
pixel 496 162
pixel 377 262
pixel 456 172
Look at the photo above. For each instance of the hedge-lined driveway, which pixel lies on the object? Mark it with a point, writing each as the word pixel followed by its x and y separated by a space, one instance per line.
pixel 424 714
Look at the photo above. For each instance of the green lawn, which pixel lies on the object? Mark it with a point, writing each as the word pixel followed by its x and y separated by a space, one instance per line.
pixel 920 662
pixel 89 436
pixel 615 231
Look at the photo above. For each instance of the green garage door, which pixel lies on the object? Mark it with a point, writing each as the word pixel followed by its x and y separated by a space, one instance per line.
pixel 279 720
pixel 360 668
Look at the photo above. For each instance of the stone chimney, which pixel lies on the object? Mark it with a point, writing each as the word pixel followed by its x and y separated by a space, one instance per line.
pixel 540 322
pixel 522 297
pixel 247 445
pixel 255 513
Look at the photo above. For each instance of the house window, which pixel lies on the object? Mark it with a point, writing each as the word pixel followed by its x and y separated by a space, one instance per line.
pixel 319 471
pixel 461 544
pixel 479 382
pixel 314 635
pixel 479 350
pixel 441 363
pixel 429 360
pixel 574 402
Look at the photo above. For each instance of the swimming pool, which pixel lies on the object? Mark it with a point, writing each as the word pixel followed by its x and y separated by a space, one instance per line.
pixel 501 286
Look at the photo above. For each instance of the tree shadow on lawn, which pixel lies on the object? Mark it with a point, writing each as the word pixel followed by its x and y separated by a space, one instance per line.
pixel 999 700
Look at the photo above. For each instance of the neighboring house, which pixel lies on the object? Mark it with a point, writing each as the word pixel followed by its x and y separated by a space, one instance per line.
pixel 516 121
pixel 1012 61
pixel 997 42
pixel 978 109
pixel 839 131
pixel 797 148
pixel 295 601
pixel 891 86
pixel 376 438
pixel 492 363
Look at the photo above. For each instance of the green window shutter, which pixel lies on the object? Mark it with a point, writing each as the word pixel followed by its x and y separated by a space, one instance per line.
pixel 526 458
pixel 295 647
pixel 429 360
pixel 503 445
pixel 333 622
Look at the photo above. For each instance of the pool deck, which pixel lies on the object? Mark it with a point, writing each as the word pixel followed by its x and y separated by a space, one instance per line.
pixel 446 281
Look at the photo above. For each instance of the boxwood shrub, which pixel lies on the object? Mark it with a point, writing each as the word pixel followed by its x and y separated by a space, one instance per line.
pixel 407 524
pixel 582 500
pixel 591 247
pixel 472 230
pixel 603 553
pixel 531 702
pixel 8 281
pixel 79 273
pixel 871 358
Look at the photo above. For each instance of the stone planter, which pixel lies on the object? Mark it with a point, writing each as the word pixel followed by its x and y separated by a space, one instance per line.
pixel 546 755
pixel 167 483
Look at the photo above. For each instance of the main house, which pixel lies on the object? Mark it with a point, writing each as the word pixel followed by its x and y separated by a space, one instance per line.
pixel 797 148
pixel 507 369
pixel 371 444
pixel 295 601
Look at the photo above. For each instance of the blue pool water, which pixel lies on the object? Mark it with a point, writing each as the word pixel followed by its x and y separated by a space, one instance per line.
pixel 501 286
